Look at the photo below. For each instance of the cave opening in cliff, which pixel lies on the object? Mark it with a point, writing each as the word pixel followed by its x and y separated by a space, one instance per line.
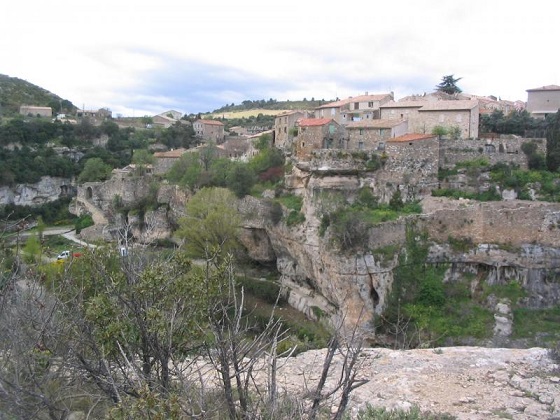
pixel 374 296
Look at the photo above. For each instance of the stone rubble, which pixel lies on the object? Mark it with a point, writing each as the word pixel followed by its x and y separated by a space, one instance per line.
pixel 467 382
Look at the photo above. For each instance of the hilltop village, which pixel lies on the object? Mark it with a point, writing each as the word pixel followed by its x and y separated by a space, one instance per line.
pixel 394 223
pixel 369 142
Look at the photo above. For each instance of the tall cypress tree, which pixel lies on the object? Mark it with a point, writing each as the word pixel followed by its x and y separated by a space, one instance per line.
pixel 553 143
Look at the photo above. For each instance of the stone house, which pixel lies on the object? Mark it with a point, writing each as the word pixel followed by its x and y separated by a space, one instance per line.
pixel 372 134
pixel 163 121
pixel 413 159
pixel 165 160
pixel 318 133
pixel 544 100
pixel 285 126
pixel 41 111
pixel 212 130
pixel 364 107
pixel 100 114
pixel 423 116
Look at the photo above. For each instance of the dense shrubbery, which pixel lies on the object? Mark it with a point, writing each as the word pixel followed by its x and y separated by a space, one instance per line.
pixel 205 169
pixel 55 211
pixel 350 224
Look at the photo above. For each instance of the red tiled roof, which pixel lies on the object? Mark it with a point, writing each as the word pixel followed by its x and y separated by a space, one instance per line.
pixel 412 137
pixel 314 122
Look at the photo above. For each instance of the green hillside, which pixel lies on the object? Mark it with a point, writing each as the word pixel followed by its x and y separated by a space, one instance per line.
pixel 15 92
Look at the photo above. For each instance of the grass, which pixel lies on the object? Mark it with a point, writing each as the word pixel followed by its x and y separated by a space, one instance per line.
pixel 528 321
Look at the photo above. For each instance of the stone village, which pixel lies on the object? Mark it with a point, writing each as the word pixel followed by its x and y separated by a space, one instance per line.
pixel 331 149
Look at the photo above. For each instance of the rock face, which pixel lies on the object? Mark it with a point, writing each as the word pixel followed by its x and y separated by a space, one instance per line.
pixel 471 383
pixel 47 190
pixel 507 241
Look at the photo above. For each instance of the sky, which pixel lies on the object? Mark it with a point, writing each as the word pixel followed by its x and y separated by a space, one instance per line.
pixel 139 57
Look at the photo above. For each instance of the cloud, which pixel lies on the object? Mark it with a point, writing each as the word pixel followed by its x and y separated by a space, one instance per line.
pixel 139 57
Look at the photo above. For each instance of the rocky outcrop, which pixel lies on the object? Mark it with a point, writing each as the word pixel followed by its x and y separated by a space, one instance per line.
pixel 48 189
pixel 503 241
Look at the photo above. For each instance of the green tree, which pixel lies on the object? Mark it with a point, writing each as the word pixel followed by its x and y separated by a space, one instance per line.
pixel 439 131
pixel 94 170
pixel 143 157
pixel 553 144
pixel 211 224
pixel 449 85
pixel 240 179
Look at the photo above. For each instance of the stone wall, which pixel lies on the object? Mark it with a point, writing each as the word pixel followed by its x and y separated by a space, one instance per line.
pixel 513 223
pixel 505 149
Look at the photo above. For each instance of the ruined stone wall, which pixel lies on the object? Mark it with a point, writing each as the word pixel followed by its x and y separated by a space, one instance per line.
pixel 496 150
pixel 411 162
pixel 506 222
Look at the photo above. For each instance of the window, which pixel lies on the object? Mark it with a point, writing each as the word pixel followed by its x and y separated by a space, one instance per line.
pixel 331 129
pixel 361 145
pixel 370 104
pixel 333 112
pixel 356 105
pixel 361 131
pixel 381 146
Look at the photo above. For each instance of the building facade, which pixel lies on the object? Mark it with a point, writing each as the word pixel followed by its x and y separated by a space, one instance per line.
pixel 364 107
pixel 543 101
pixel 211 130
pixel 318 133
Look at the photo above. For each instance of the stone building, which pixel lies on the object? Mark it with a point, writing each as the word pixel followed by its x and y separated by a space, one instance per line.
pixel 285 126
pixel 423 116
pixel 412 159
pixel 165 160
pixel 318 133
pixel 364 107
pixel 212 130
pixel 41 111
pixel 543 100
pixel 372 134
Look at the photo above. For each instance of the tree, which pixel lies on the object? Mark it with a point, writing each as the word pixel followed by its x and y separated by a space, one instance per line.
pixel 439 131
pixel 94 170
pixel 553 144
pixel 449 85
pixel 143 157
pixel 211 224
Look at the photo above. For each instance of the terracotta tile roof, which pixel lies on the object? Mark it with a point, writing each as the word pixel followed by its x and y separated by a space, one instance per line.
pixel 177 153
pixel 314 122
pixel 404 104
pixel 210 122
pixel 449 105
pixel 412 137
pixel 548 87
pixel 374 124
pixel 361 98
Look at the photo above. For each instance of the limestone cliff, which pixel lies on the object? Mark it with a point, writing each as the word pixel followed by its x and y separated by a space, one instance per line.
pixel 48 189
pixel 503 241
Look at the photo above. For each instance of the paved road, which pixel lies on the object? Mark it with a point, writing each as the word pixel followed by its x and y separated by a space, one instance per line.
pixel 68 233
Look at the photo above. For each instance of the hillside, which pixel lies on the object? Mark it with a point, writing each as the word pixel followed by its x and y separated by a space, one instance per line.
pixel 15 92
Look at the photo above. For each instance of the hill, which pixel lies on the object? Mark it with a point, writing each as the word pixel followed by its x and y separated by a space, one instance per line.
pixel 271 105
pixel 15 92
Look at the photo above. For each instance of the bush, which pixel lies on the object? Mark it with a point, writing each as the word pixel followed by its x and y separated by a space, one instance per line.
pixel 83 222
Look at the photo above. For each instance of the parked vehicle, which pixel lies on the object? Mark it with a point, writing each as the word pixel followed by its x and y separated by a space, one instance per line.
pixel 64 255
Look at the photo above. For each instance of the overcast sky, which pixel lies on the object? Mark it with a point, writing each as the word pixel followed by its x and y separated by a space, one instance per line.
pixel 140 57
